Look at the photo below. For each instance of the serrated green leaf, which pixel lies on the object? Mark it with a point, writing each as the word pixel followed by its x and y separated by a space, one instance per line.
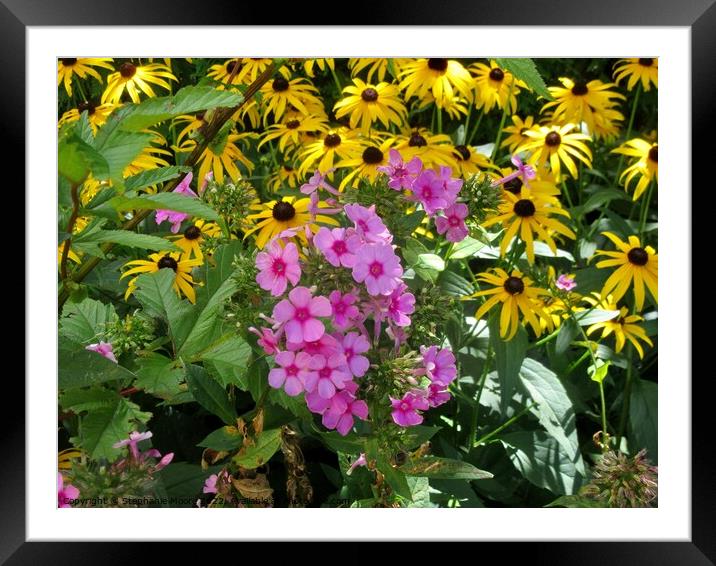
pixel 78 367
pixel 130 239
pixel 86 322
pixel 76 160
pixel 81 400
pixel 577 502
pixel 444 468
pixel 231 359
pixel 121 148
pixel 159 376
pixel 525 70
pixel 153 177
pixel 210 395
pixel 226 438
pixel 168 201
pixel 266 445
pixel 155 292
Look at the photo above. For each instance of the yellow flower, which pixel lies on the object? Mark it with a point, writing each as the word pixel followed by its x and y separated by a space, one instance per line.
pixel 455 107
pixel 624 326
pixel 290 131
pixel 281 93
pixel 525 215
pixel 96 115
pixel 645 167
pixel 517 132
pixel 556 145
pixel 221 156
pixel 68 67
pixel 134 78
pixel 285 176
pixel 542 187
pixel 443 78
pixel 276 216
pixel 378 67
pixel 469 162
pixel 366 166
pixel 434 150
pixel 494 85
pixel 322 64
pixel 516 294
pixel 637 264
pixel 181 265
pixel 192 238
pixel 335 145
pixel 367 103
pixel 645 70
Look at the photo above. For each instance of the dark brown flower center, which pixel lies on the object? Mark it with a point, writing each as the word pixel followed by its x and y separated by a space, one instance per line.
pixel 332 140
pixel 86 105
pixel 369 95
pixel 524 207
pixel 167 261
pixel 553 139
pixel 287 168
pixel 513 186
pixel 416 140
pixel 283 211
pixel 192 232
pixel 372 155
pixel 437 64
pixel 654 154
pixel 279 84
pixel 462 152
pixel 69 61
pixel 580 88
pixel 514 285
pixel 127 70
pixel 293 124
pixel 638 256
pixel 233 67
pixel 497 74
pixel 646 62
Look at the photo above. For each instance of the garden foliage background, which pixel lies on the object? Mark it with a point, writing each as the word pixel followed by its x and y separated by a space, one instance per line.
pixel 542 391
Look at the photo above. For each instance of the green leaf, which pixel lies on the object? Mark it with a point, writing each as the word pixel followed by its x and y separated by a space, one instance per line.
pixel 130 239
pixel 415 436
pixel 231 358
pixel 567 333
pixel 106 426
pixel 508 360
pixel 76 159
pixel 187 100
pixel 81 400
pixel 430 261
pixel 444 468
pixel 409 222
pixel 396 479
pixel 87 321
pixel 525 70
pixel 121 148
pixel 542 461
pixel 601 197
pixel 350 444
pixel 153 177
pixel 593 316
pixel 226 438
pixel 454 284
pixel 466 248
pixel 554 408
pixel 155 292
pixel 267 443
pixel 644 418
pixel 412 249
pixel 78 367
pixel 577 502
pixel 168 201
pixel 420 492
pixel 210 395
pixel 599 373
pixel 159 376
pixel 84 130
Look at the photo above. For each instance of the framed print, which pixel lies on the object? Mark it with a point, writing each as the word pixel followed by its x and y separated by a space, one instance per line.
pixel 323 275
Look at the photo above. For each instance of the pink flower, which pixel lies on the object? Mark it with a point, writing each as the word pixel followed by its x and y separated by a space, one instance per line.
pixel 451 185
pixel 338 245
pixel 379 267
pixel 318 181
pixel 439 364
pixel 267 340
pixel 164 462
pixel 210 484
pixel 368 224
pixel 525 171
pixel 401 176
pixel 278 266
pixel 437 394
pixel 103 348
pixel 134 438
pixel 430 191
pixel 354 344
pixel 329 375
pixel 401 305
pixel 65 494
pixel 299 314
pixel 565 282
pixel 208 177
pixel 453 223
pixel 326 345
pixel 359 461
pixel 291 373
pixel 344 309
pixel 176 218
pixel 405 410
pixel 339 414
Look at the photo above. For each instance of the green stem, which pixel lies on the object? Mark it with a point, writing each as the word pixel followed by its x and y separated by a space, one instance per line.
pixel 468 140
pixel 502 121
pixel 645 203
pixel 502 427
pixel 467 122
pixel 440 120
pixel 480 387
pixel 544 340
pixel 604 415
pixel 629 128
pixel 627 394
pixel 337 81
pixel 576 363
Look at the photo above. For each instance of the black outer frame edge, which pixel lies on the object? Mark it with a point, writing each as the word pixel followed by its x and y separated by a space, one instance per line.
pixel 692 13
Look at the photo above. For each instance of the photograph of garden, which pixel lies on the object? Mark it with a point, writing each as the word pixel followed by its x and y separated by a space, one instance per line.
pixel 358 282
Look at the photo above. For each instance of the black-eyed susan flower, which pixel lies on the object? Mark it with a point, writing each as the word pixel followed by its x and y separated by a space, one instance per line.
pixel 377 67
pixel 179 263
pixel 68 67
pixel 221 155
pixel 226 72
pixel 375 154
pixel 151 157
pixel 624 326
pixel 434 150
pixel 455 107
pixel 526 216
pixel 96 114
pixel 309 66
pixel 367 103
pixel 285 176
pixel 289 131
pixel 333 146
pixel 557 145
pixel 516 293
pixel 495 87
pixel 252 67
pixel 637 265
pixel 542 186
pixel 645 167
pixel 135 78
pixel 277 216
pixel 634 69
pixel 470 162
pixel 517 132
pixel 71 254
pixel 443 78
pixel 195 235
pixel 281 93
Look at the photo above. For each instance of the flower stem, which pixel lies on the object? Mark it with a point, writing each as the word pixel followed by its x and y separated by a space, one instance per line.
pixel 337 81
pixel 440 119
pixel 502 427
pixel 634 104
pixel 468 140
pixel 502 121
pixel 480 387
pixel 645 203
pixel 627 394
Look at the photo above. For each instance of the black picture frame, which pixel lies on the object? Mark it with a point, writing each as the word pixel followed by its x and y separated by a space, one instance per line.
pixel 698 15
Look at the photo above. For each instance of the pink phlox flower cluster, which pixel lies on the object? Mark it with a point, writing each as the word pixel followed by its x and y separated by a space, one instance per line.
pixel 174 217
pixel 401 175
pixel 65 493
pixel 277 267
